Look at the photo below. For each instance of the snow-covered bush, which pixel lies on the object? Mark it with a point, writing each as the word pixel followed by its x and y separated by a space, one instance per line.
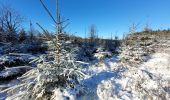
pixel 137 48
pixel 101 54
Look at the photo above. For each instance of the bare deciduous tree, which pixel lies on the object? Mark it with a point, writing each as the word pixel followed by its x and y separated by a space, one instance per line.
pixel 1 31
pixel 92 33
pixel 10 22
pixel 147 28
pixel 22 36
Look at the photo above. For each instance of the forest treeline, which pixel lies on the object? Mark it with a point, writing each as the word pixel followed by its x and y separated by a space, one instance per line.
pixel 11 31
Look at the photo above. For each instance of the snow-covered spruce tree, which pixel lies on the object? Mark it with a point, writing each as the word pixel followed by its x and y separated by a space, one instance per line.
pixel 40 83
pixel 58 71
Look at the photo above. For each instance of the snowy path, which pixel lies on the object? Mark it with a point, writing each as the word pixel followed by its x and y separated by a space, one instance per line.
pixel 92 83
pixel 99 73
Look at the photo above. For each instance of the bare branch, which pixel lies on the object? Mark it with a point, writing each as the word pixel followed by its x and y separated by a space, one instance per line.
pixel 48 11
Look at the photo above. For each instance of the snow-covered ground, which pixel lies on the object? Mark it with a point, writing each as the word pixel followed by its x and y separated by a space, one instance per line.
pixel 150 81
pixel 110 79
pixel 12 66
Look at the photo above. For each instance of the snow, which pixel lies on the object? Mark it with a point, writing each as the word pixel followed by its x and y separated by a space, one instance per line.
pixel 159 65
pixel 11 56
pixel 149 81
pixel 14 70
pixel 108 64
pixel 110 79
pixel 58 95
pixel 5 85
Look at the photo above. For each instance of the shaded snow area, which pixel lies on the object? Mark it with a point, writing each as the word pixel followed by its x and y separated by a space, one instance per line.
pixel 13 71
pixel 12 66
pixel 5 85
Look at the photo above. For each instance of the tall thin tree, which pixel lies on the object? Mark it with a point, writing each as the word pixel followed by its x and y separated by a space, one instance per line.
pixel 59 27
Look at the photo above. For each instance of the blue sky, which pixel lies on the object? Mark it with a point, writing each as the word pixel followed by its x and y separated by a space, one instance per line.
pixel 110 16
